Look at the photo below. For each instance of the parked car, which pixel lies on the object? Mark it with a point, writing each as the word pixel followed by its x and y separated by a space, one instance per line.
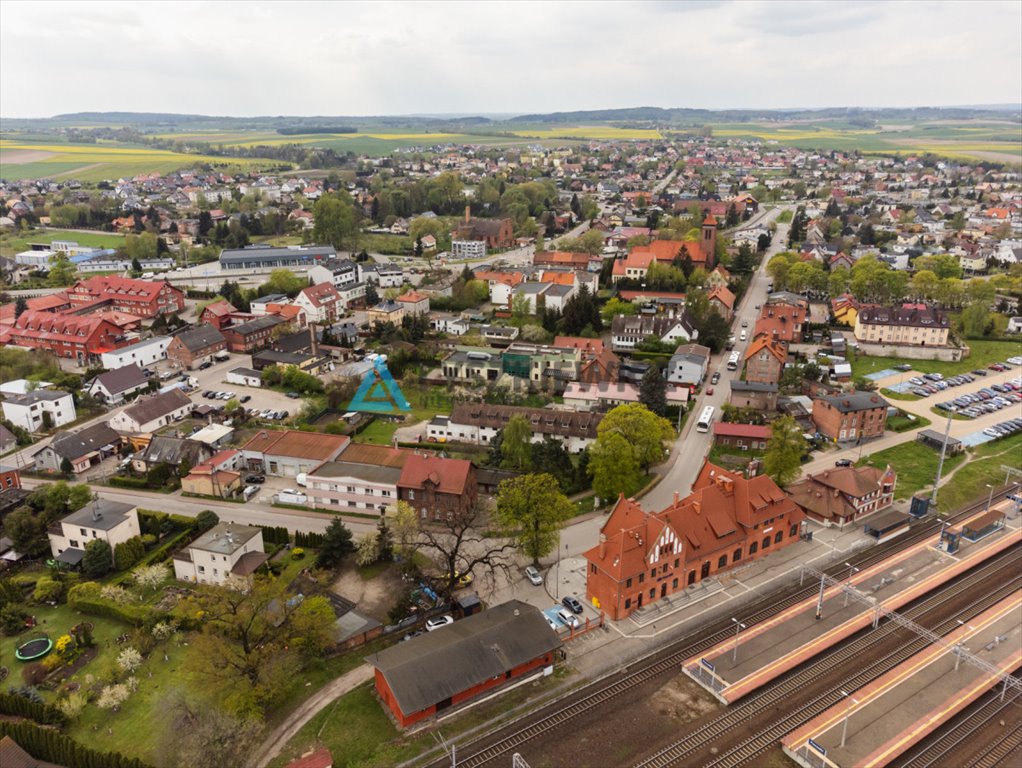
pixel 715 378
pixel 255 479
pixel 567 618
pixel 572 602
pixel 439 621
pixel 205 365
pixel 979 372
pixel 533 575
pixel 293 395
pixel 245 398
pixel 552 623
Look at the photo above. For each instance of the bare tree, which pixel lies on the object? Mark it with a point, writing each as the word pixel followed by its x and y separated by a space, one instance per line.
pixel 199 737
pixel 457 546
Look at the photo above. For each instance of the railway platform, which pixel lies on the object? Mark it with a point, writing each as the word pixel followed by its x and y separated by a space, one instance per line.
pixel 760 653
pixel 875 724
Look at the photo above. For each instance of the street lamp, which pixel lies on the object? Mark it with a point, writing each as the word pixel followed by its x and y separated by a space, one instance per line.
pixel 738 628
pixel 852 570
pixel 848 711
pixel 990 496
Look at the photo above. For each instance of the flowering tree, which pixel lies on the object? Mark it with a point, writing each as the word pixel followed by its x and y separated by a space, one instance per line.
pixel 150 576
pixel 129 659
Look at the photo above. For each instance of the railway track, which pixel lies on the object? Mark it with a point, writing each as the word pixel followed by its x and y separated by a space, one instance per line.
pixel 823 678
pixel 940 751
pixel 996 754
pixel 599 693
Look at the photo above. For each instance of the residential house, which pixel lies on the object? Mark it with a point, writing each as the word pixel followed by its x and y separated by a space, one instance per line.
pixel 445 322
pixel 438 489
pixel 753 394
pixel 338 273
pixel 783 318
pixel 606 395
pixel 499 335
pixel 261 306
pixel 83 449
pixel 765 359
pixel 112 387
pixel 8 440
pixel 386 311
pixel 605 367
pixel 495 233
pixel 723 300
pixel 218 314
pixel 40 409
pixel 148 414
pixel 688 365
pixel 364 477
pixel 73 337
pixel 479 423
pixel 192 347
pixel 541 364
pixel 252 335
pixel 472 364
pixel 144 298
pixel 744 437
pixel 837 497
pixel 322 303
pixel 101 519
pixel 914 325
pixel 289 453
pixel 227 553
pixel 415 303
pixel 171 450
pixel 216 477
pixel 854 416
pixel 628 331
pixel 142 354
pixel 726 521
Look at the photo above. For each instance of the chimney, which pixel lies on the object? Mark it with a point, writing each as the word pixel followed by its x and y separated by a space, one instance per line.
pixel 468 213
pixel 313 341
pixel 603 546
pixel 675 498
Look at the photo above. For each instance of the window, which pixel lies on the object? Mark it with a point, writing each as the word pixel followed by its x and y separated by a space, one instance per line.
pixel 411 495
pixel 766 542
pixel 722 561
pixel 202 569
pixel 652 594
pixel 652 573
pixel 84 532
pixel 628 583
pixel 793 531
pixel 216 572
pixel 736 555
pixel 642 577
pixel 778 536
pixel 628 603
pixel 74 544
pixel 677 562
pixel 674 584
pixel 422 513
pixel 753 548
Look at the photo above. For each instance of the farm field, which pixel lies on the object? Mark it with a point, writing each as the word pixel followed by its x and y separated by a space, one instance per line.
pixel 1000 141
pixel 590 132
pixel 20 159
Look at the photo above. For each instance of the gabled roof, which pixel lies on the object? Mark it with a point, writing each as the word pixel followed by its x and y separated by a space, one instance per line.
pixel 200 337
pixel 154 407
pixel 321 294
pixel 124 379
pixel 298 445
pixel 448 475
pixel 855 401
pixel 541 420
pixel 775 348
pixel 438 665
pixel 74 445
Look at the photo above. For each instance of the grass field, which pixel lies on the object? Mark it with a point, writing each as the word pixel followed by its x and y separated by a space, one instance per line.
pixel 95 162
pixel 11 243
pixel 915 463
pixel 982 353
pixel 984 468
pixel 590 132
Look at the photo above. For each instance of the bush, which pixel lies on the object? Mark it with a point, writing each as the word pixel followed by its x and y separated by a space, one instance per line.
pixel 12 620
pixel 86 597
pixel 297 553
pixel 129 552
pixel 149 540
pixel 205 520
pixel 47 590
pixel 52 746
pixel 19 706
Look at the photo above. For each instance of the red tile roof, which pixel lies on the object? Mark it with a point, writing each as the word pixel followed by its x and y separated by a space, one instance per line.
pixel 449 475
pixel 754 431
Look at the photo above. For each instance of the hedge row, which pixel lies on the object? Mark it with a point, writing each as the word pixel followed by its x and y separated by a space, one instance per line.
pixel 53 746
pixel 19 706
pixel 85 598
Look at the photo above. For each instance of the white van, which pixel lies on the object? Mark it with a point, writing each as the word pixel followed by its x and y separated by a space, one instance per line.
pixel 291 496
pixel 302 478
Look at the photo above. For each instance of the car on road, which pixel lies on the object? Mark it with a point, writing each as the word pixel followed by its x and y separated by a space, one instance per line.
pixel 843 463
pixel 709 390
pixel 410 635
pixel 745 323
pixel 572 603
pixel 715 378
pixel 439 621
pixel 533 575
pixel 292 395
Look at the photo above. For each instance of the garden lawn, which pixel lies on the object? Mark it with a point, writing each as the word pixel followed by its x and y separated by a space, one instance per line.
pixel 983 353
pixel 903 422
pixel 983 468
pixel 915 464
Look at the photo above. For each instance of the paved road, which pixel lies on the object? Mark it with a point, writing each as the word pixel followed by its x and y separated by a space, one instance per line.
pixel 691 446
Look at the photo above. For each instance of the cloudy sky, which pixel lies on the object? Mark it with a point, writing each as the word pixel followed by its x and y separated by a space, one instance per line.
pixel 320 58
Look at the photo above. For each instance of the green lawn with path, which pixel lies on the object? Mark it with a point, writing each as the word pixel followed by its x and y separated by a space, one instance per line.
pixel 915 463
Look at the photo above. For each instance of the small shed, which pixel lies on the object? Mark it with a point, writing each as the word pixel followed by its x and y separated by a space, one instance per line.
pixel 934 439
pixel 887 525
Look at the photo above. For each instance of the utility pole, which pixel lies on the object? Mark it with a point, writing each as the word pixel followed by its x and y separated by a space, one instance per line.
pixel 940 463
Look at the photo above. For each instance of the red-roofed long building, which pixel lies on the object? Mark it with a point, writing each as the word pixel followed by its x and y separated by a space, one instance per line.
pixel 145 298
pixel 727 520
pixel 73 337
pixel 436 488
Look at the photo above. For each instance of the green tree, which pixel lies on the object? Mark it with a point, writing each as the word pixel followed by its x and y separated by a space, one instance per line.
pixel 406 527
pixel 98 559
pixel 515 447
pixel 976 320
pixel 206 519
pixel 284 281
pixel 613 467
pixel 531 509
pixel 644 431
pixel 62 271
pixel 550 456
pixel 27 531
pixel 20 305
pixel 783 458
pixel 337 545
pixel 66 467
pixel 336 222
pixel 653 391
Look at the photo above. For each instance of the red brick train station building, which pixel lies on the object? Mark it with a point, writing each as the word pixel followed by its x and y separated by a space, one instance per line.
pixel 727 520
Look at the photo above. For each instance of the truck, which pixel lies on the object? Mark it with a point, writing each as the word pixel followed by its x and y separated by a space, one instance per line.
pixel 291 496
pixel 193 382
